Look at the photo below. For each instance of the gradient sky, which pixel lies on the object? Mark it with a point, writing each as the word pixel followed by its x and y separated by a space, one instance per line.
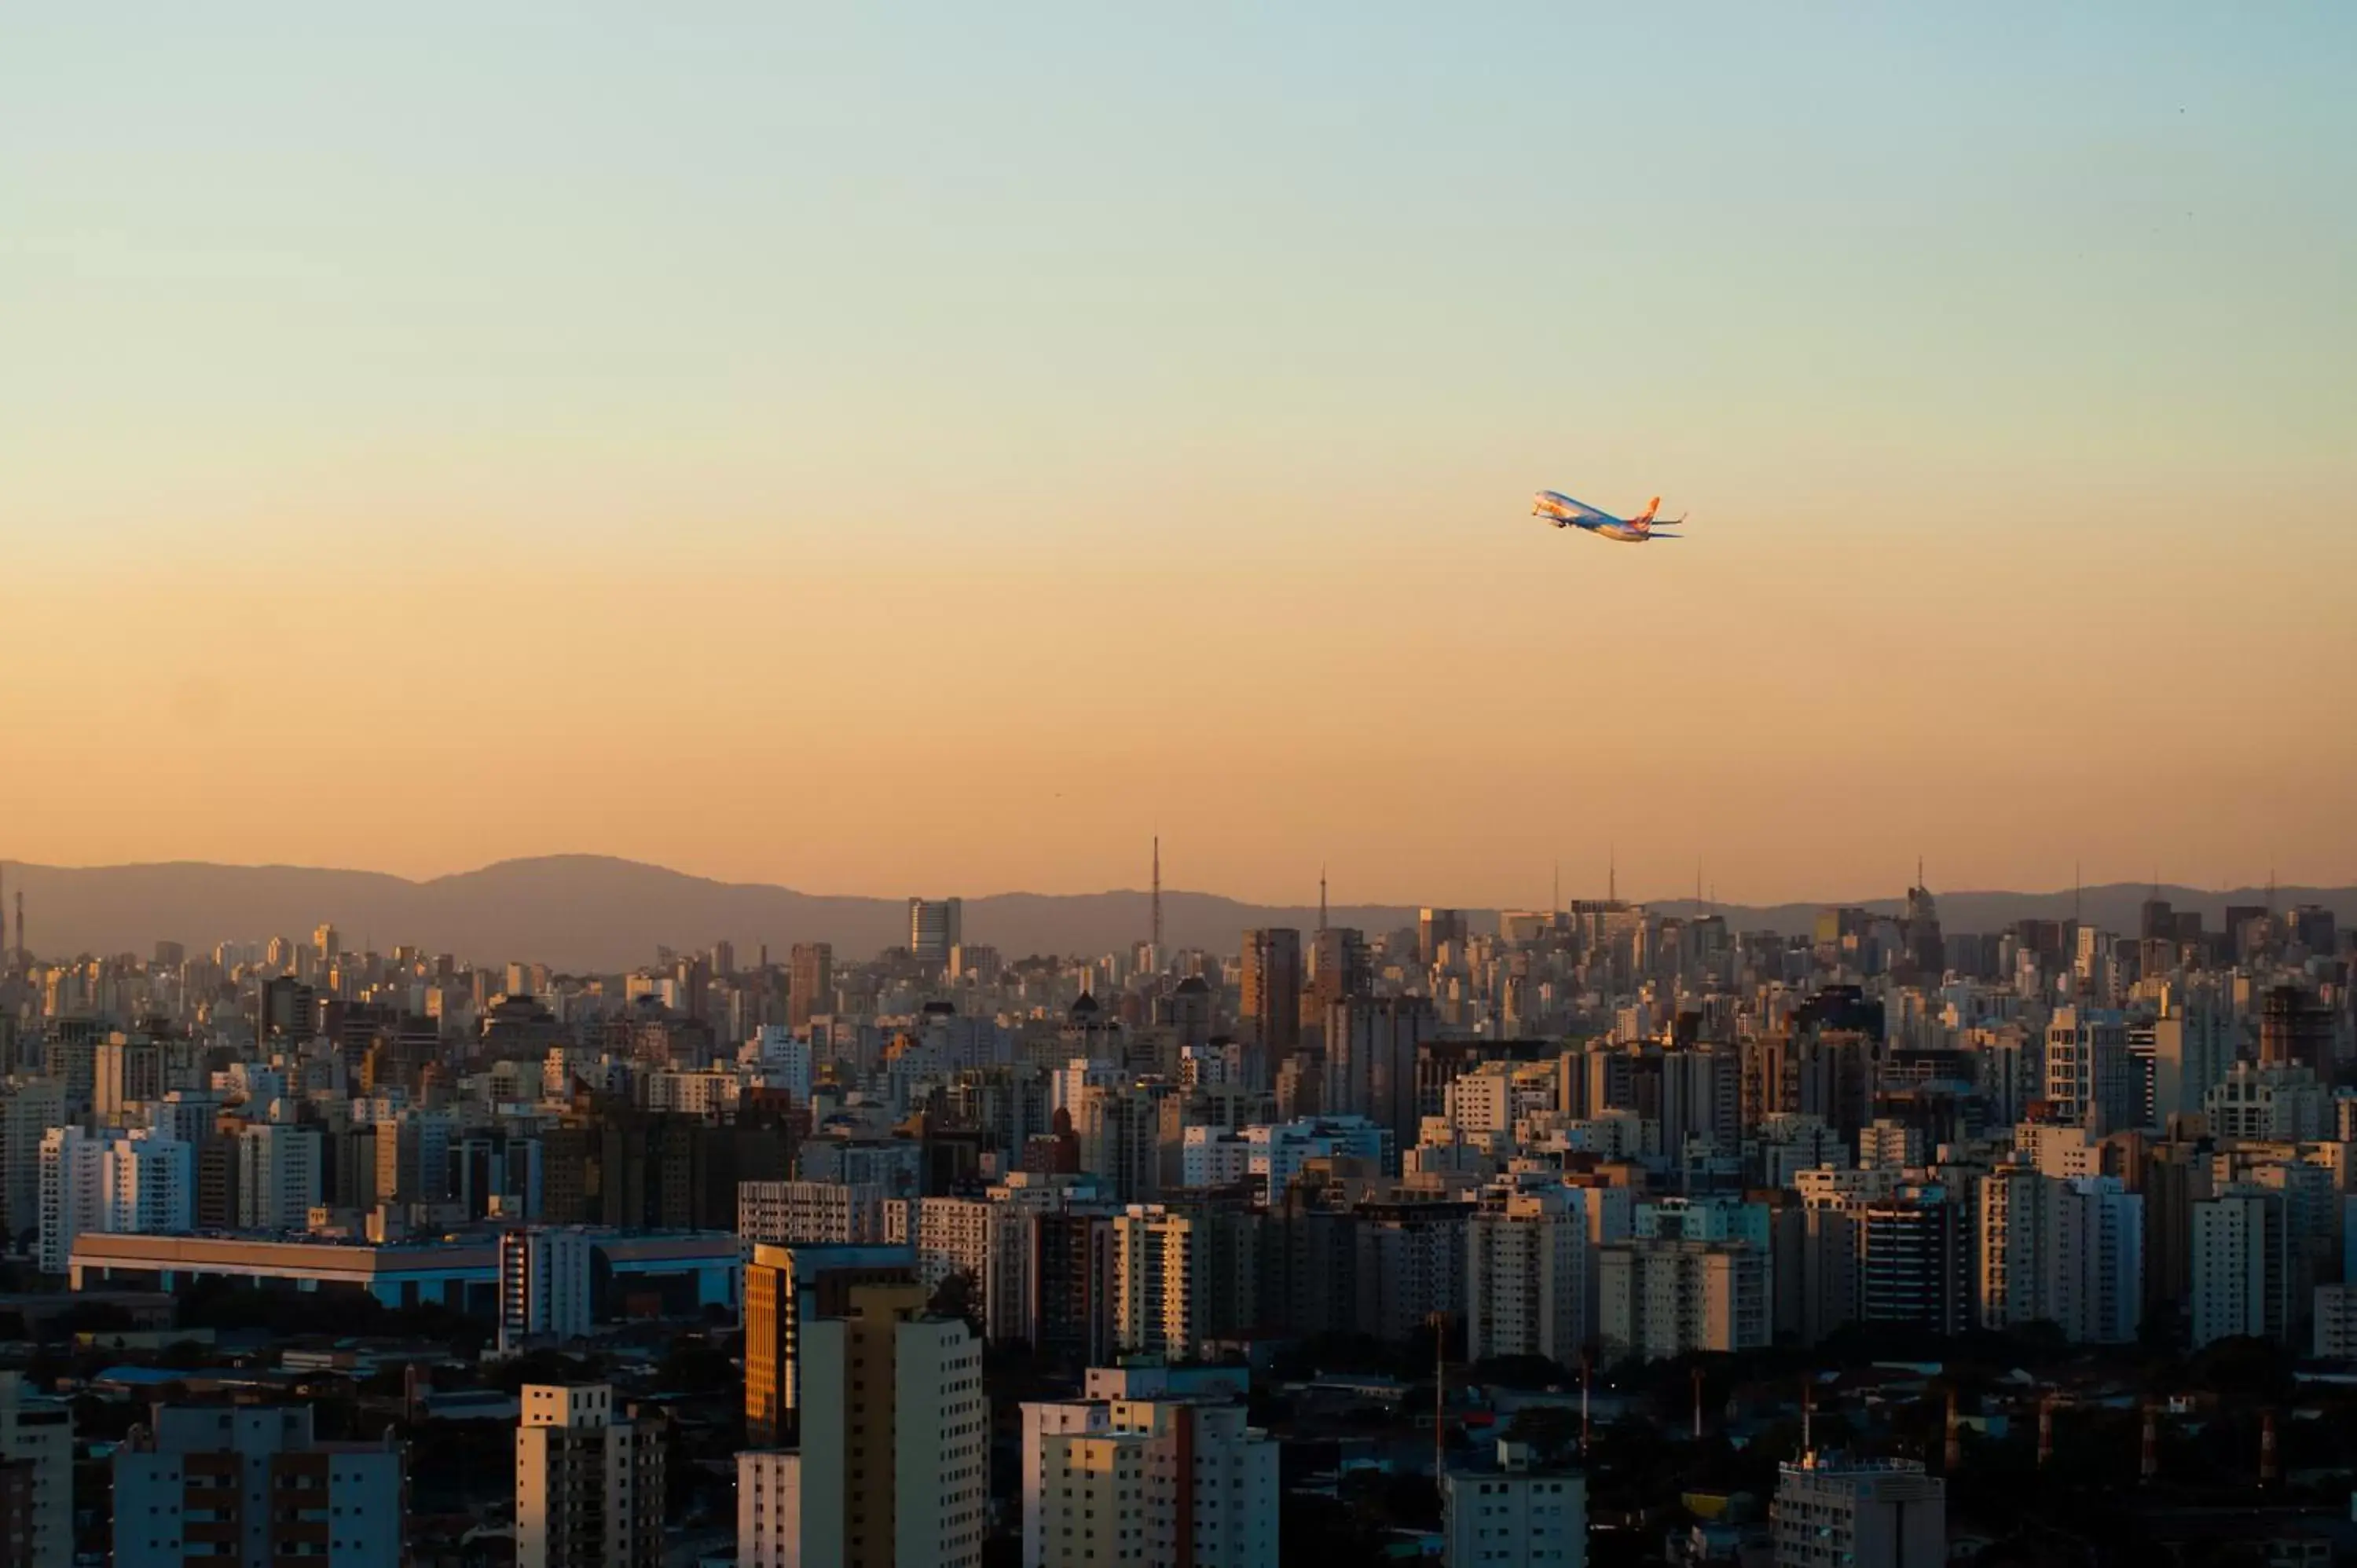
pixel 929 447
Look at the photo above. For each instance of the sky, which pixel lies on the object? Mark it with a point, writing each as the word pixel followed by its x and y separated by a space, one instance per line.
pixel 933 448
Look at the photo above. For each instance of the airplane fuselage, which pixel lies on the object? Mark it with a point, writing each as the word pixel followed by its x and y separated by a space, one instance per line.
pixel 1565 512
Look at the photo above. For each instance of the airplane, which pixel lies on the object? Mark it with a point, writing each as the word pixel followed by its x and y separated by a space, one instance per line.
pixel 1566 512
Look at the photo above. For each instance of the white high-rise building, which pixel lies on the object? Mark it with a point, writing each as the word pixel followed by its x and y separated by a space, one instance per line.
pixel 1661 1299
pixel 2192 1050
pixel 2066 1250
pixel 1832 1512
pixel 784 1060
pixel 39 1432
pixel 543 1285
pixel 341 1504
pixel 1172 1483
pixel 769 1508
pixel 1157 1307
pixel 812 1213
pixel 895 1457
pixel 2269 1104
pixel 589 1482
pixel 2241 1266
pixel 952 1237
pixel 2090 1078
pixel 125 1183
pixel 1505 1513
pixel 1527 1262
pixel 277 1176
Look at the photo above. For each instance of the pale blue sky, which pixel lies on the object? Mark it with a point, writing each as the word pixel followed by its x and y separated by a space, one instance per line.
pixel 1958 327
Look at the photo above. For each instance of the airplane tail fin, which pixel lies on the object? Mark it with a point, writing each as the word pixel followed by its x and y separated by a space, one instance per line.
pixel 1647 515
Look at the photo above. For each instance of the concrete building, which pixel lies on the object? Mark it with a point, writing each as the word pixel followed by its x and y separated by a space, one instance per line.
pixel 769 1508
pixel 123 1184
pixel 37 1433
pixel 1505 1512
pixel 895 1452
pixel 1527 1262
pixel 1832 1512
pixel 589 1482
pixel 2066 1251
pixel 1179 1276
pixel 1166 1483
pixel 545 1286
pixel 2241 1266
pixel 248 1485
pixel 810 1213
pixel 935 926
pixel 1271 1004
pixel 278 1175
pixel 2335 1331
pixel 686 1270
pixel 2270 1103
pixel 810 984
pixel 2090 1075
pixel 784 1286
pixel 29 1109
pixel 1659 1298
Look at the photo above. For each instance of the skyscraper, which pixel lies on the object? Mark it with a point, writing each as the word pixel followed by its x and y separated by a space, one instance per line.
pixel 810 984
pixel 935 926
pixel 1272 992
pixel 784 1286
pixel 893 1470
pixel 589 1482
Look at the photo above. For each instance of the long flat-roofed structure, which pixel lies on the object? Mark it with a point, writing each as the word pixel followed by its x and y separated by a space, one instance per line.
pixel 672 1273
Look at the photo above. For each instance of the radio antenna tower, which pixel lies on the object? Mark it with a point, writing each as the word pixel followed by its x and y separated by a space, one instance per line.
pixel 1321 895
pixel 1157 898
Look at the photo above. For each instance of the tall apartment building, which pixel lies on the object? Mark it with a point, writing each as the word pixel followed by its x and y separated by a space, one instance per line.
pixel 1914 1260
pixel 1181 1276
pixel 28 1108
pixel 895 1457
pixel 935 926
pixel 2242 1270
pixel 127 1182
pixel 1832 1512
pixel 278 1175
pixel 812 1213
pixel 1164 1483
pixel 1502 1512
pixel 1271 1004
pixel 784 1286
pixel 37 1433
pixel 543 1285
pixel 1527 1261
pixel 1660 1297
pixel 1371 1060
pixel 2066 1250
pixel 248 1485
pixel 124 1071
pixel 810 983
pixel 2090 1078
pixel 589 1482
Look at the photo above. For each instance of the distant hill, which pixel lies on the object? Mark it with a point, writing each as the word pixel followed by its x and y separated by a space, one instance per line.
pixel 598 913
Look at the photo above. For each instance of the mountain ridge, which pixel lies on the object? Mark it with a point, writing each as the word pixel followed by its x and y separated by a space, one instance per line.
pixel 603 912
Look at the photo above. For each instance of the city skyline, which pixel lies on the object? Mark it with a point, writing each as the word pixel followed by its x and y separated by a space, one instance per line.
pixel 1139 435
